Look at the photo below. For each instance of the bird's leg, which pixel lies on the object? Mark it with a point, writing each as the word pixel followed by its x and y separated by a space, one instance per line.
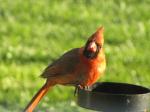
pixel 77 89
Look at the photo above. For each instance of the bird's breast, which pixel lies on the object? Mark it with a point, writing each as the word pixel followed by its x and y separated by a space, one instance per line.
pixel 91 69
pixel 89 75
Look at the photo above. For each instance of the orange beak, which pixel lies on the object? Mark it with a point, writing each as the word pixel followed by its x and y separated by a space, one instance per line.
pixel 92 47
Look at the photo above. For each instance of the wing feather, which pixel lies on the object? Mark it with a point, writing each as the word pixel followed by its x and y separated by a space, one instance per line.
pixel 64 65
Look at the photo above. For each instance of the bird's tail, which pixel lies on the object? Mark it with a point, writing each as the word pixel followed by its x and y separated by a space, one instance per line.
pixel 39 95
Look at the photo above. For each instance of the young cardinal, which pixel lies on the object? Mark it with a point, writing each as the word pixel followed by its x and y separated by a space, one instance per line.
pixel 79 67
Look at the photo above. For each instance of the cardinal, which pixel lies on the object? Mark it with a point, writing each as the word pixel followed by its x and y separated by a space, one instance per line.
pixel 79 67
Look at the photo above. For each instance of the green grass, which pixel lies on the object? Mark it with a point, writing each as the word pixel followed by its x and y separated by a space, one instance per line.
pixel 34 33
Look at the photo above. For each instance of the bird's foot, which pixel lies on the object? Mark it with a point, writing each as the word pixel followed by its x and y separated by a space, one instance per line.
pixel 77 87
pixel 87 88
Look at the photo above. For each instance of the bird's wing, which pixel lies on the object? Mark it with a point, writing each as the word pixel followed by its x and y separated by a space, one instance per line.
pixel 64 65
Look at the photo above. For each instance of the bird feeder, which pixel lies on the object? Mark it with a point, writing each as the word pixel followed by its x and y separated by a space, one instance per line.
pixel 115 97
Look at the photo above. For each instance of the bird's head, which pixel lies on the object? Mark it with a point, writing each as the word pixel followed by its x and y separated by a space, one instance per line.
pixel 94 44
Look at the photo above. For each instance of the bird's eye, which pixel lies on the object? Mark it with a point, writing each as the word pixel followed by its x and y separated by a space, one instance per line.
pixel 98 45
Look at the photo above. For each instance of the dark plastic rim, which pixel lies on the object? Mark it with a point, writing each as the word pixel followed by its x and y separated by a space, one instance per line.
pixel 144 89
pixel 115 97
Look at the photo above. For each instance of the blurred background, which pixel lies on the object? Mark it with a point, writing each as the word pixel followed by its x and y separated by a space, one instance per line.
pixel 35 32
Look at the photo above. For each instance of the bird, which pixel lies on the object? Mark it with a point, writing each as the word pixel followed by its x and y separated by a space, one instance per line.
pixel 79 67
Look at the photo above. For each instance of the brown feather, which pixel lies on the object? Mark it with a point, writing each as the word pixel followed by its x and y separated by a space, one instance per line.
pixel 64 65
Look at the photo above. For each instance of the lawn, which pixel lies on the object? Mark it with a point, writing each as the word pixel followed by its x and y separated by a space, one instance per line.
pixel 34 33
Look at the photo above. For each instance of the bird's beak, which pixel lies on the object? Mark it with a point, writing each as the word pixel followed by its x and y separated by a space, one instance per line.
pixel 92 47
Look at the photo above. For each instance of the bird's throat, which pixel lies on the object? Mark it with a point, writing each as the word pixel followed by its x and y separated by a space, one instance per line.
pixel 89 54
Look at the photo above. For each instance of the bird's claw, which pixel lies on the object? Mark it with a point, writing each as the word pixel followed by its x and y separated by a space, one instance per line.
pixel 77 87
